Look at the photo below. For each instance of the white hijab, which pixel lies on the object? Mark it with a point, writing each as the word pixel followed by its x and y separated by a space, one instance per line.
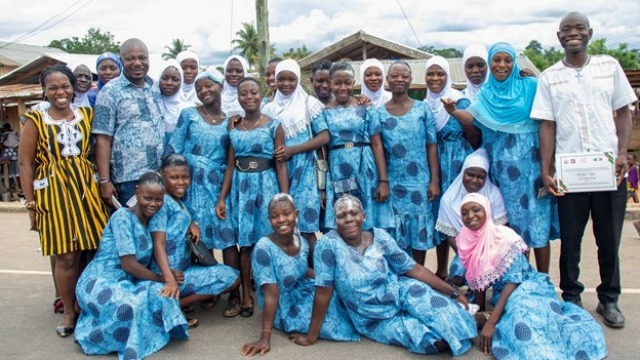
pixel 172 105
pixel 449 219
pixel 297 110
pixel 230 104
pixel 475 50
pixel 447 92
pixel 188 90
pixel 381 96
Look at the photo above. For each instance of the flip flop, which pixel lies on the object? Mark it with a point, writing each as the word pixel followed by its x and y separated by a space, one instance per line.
pixel 232 309
pixel 210 303
pixel 192 322
pixel 247 311
pixel 58 306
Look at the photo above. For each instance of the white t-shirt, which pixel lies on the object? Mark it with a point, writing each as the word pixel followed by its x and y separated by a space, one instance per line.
pixel 582 103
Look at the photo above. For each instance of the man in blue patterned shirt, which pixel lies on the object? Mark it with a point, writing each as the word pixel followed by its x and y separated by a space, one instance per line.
pixel 128 125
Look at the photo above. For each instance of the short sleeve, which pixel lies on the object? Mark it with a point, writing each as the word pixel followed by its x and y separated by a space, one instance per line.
pixel 542 108
pixel 623 93
pixel 397 258
pixel 373 121
pixel 262 263
pixel 463 104
pixel 104 122
pixel 516 273
pixel 123 230
pixel 179 135
pixel 429 124
pixel 319 123
pixel 324 262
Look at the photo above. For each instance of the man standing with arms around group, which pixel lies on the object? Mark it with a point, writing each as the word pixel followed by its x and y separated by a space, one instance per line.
pixel 575 101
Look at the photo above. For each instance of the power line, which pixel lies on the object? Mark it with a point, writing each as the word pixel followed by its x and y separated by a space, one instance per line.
pixel 32 32
pixel 409 22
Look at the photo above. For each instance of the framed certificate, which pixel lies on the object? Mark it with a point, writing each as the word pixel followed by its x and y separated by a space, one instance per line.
pixel 586 172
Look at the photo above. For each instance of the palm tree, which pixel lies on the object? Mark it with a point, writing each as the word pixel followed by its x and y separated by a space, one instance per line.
pixel 297 53
pixel 247 42
pixel 177 46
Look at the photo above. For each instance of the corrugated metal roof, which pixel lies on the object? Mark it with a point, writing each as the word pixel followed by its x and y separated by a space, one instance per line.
pixel 20 91
pixel 14 54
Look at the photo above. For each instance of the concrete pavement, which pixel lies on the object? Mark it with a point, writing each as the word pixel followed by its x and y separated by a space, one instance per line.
pixel 27 322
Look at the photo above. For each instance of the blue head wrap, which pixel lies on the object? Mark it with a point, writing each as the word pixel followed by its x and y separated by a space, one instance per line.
pixel 110 56
pixel 506 105
pixel 211 74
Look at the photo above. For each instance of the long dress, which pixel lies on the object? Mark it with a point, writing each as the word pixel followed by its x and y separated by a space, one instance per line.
pixel 405 139
pixel 271 265
pixel 119 312
pixel 69 211
pixel 383 304
pixel 515 169
pixel 536 325
pixel 174 220
pixel 251 191
pixel 354 125
pixel 206 147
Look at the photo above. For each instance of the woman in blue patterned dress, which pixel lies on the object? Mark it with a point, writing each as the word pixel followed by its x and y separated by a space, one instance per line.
pixel 389 297
pixel 285 285
pixel 528 320
pixel 409 139
pixel 296 111
pixel 356 155
pixel 202 136
pixel 123 309
pixel 454 141
pixel 170 228
pixel 501 110
pixel 252 177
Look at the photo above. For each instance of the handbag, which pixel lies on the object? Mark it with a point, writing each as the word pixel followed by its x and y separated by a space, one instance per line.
pixel 320 163
pixel 200 254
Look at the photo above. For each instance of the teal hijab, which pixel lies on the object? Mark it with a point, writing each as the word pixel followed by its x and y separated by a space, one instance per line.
pixel 505 105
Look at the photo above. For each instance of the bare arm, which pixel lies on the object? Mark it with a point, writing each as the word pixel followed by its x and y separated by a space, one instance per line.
pixel 463 116
pixel 281 166
pixel 381 165
pixel 434 169
pixel 318 141
pixel 132 267
pixel 423 274
pixel 547 134
pixel 320 306
pixel 103 158
pixel 271 299
pixel 221 210
pixel 623 130
pixel 170 288
pixel 490 326
pixel 26 164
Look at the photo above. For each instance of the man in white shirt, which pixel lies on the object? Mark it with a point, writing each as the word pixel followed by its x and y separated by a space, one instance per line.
pixel 574 102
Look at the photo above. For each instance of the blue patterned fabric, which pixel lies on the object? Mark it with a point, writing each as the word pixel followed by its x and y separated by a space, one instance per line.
pixel 132 116
pixel 271 265
pixel 120 313
pixel 205 147
pixel 251 191
pixel 173 219
pixel 354 124
pixel 303 185
pixel 405 140
pixel 386 306
pixel 515 169
pixel 536 325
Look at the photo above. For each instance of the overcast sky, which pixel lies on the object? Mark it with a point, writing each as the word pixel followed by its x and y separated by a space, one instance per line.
pixel 209 26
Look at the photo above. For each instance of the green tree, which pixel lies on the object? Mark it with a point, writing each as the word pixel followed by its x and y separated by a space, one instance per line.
pixel 628 58
pixel 297 53
pixel 93 42
pixel 177 46
pixel 247 42
pixel 448 53
pixel 534 46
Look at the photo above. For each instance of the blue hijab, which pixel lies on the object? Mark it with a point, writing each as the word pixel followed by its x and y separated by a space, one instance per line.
pixel 505 105
pixel 110 56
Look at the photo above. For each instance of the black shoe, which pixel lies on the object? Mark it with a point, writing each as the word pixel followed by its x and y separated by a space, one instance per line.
pixel 611 315
pixel 575 301
pixel 65 331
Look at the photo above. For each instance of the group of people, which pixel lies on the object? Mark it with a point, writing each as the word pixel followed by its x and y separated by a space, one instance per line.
pixel 327 204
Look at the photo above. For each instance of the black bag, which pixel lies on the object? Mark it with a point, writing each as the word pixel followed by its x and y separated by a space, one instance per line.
pixel 200 254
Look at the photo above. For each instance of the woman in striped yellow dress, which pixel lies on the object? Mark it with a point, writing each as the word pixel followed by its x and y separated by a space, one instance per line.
pixel 59 185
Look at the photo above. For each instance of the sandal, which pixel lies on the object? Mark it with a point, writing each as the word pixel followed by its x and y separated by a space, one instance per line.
pixel 481 318
pixel 192 322
pixel 232 309
pixel 210 303
pixel 247 312
pixel 188 309
pixel 58 306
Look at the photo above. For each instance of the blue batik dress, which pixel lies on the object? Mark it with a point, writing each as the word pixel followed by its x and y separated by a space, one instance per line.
pixel 354 125
pixel 271 265
pixel 120 313
pixel 173 219
pixel 386 306
pixel 206 147
pixel 515 169
pixel 405 140
pixel 536 325
pixel 251 191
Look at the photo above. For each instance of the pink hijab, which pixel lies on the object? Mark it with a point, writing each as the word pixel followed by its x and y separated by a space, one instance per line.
pixel 487 253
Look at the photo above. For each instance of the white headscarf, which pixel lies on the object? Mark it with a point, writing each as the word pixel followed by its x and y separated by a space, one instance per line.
pixel 230 104
pixel 447 92
pixel 296 110
pixel 188 90
pixel 381 96
pixel 475 50
pixel 172 105
pixel 449 220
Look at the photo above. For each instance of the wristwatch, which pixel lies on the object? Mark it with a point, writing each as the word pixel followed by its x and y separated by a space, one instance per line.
pixel 455 294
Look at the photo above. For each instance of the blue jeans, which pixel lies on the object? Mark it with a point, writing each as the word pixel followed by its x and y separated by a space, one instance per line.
pixel 126 191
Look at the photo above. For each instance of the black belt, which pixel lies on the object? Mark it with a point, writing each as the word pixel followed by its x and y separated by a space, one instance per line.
pixel 253 164
pixel 349 145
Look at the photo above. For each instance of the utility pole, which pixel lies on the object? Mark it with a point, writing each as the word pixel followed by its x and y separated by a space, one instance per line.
pixel 264 46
